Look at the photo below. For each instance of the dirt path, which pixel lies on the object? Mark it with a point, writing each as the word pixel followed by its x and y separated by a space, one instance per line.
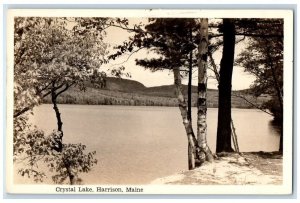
pixel 250 168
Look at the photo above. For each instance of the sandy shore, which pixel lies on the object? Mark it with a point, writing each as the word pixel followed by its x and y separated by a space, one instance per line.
pixel 251 168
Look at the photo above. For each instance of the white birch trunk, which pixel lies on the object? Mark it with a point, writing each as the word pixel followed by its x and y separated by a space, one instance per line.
pixel 184 114
pixel 205 152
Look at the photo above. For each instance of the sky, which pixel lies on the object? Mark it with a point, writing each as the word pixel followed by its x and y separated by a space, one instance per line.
pixel 240 79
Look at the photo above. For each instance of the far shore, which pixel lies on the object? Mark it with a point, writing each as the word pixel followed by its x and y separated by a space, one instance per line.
pixel 138 106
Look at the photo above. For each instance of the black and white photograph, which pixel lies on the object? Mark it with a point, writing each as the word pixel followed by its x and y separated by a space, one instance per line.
pixel 109 101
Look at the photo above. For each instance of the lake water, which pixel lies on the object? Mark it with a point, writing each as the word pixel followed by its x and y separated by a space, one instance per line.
pixel 136 145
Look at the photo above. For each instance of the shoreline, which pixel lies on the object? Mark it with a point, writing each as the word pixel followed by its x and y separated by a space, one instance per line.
pixel 138 105
pixel 248 168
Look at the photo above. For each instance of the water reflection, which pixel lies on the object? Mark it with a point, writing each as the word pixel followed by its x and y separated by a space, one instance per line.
pixel 274 127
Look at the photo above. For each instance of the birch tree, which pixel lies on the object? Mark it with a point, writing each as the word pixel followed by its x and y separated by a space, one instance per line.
pixel 171 40
pixel 205 153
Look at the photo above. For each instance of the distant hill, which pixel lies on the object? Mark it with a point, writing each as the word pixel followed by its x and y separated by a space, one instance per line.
pixel 123 85
pixel 129 92
pixel 132 86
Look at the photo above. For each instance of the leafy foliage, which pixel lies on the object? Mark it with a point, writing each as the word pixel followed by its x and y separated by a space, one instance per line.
pixel 74 158
pixel 34 148
pixel 120 72
pixel 51 55
pixel 263 58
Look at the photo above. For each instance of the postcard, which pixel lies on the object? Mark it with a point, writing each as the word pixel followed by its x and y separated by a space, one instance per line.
pixel 149 101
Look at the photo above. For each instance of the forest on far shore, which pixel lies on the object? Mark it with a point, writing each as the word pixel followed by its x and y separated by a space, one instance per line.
pixel 120 91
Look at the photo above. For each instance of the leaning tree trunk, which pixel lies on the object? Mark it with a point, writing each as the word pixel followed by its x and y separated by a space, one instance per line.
pixel 59 122
pixel 224 111
pixel 190 155
pixel 192 142
pixel 189 116
pixel 57 114
pixel 59 142
pixel 205 152
pixel 190 81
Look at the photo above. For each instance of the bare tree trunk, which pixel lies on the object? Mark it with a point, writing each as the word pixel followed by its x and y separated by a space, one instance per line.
pixel 190 151
pixel 191 164
pixel 224 111
pixel 59 122
pixel 190 81
pixel 205 152
pixel 190 93
pixel 187 124
pixel 59 142
pixel 57 114
pixel 281 140
pixel 234 136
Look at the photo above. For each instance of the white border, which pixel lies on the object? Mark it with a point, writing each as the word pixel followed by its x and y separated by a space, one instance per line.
pixel 285 188
pixel 175 13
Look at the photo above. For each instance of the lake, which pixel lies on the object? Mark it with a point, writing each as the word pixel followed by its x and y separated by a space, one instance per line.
pixel 136 145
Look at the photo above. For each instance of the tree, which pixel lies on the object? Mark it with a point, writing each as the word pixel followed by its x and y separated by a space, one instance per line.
pixel 56 57
pixel 226 68
pixel 202 91
pixel 190 75
pixel 176 46
pixel 49 59
pixel 263 58
pixel 25 95
pixel 249 29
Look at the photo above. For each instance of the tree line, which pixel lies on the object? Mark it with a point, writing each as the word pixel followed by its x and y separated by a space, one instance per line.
pixel 104 96
pixel 50 57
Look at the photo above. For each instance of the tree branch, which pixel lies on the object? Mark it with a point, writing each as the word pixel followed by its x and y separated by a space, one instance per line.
pixel 124 28
pixel 128 57
pixel 249 35
pixel 254 105
pixel 215 69
pixel 23 111
pixel 65 88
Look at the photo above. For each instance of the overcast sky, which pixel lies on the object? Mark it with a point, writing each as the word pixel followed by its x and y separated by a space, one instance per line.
pixel 240 79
